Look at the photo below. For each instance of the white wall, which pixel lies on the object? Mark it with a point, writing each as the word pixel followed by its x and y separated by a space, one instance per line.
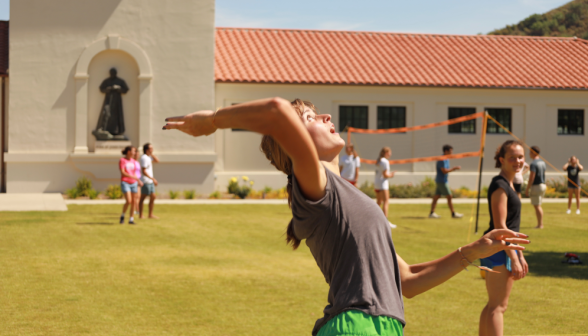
pixel 534 119
pixel 46 42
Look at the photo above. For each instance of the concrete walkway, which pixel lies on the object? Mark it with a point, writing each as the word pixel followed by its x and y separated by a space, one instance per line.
pixel 283 201
pixel 55 202
pixel 32 202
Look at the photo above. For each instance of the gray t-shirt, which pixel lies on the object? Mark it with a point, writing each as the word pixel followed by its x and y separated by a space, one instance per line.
pixel 350 239
pixel 538 167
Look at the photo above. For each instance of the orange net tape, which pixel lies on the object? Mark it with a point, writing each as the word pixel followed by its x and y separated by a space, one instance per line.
pixel 416 128
pixel 428 158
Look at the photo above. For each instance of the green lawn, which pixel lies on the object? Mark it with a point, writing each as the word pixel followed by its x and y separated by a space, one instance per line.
pixel 225 270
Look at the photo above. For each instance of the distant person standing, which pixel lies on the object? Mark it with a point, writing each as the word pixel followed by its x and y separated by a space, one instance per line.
pixel 349 165
pixel 129 182
pixel 381 186
pixel 149 182
pixel 442 188
pixel 536 186
pixel 573 167
pixel 518 180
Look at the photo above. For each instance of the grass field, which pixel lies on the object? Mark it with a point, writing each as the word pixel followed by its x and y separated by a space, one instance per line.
pixel 225 270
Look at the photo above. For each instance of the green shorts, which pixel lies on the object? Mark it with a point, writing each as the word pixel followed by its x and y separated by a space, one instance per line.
pixel 442 189
pixel 357 323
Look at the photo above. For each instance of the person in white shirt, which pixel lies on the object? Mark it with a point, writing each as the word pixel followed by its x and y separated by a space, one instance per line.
pixel 381 185
pixel 149 182
pixel 349 165
pixel 518 180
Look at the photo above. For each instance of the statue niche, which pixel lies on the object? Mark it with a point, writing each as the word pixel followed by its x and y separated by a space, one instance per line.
pixel 111 123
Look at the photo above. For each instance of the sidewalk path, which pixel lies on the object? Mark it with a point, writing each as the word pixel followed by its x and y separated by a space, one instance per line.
pixel 283 201
pixel 32 202
pixel 55 202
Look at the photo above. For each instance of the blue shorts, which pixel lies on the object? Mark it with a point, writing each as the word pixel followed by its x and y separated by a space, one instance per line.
pixel 126 187
pixel 496 260
pixel 148 189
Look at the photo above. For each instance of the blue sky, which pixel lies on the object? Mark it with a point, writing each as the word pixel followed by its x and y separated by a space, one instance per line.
pixel 424 16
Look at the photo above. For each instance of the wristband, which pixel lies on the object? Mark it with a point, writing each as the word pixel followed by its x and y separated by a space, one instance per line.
pixel 483 268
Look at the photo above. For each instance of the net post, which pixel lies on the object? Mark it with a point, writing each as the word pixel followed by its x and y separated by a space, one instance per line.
pixel 482 146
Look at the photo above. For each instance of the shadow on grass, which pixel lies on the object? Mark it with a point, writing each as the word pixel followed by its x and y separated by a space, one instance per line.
pixel 96 223
pixel 414 217
pixel 550 264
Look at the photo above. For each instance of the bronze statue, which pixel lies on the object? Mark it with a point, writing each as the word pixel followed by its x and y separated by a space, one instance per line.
pixel 111 123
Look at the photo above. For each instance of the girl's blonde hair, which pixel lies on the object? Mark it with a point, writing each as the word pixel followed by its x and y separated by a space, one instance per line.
pixel 279 159
pixel 383 152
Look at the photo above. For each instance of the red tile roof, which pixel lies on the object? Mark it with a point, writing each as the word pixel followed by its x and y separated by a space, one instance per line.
pixel 244 55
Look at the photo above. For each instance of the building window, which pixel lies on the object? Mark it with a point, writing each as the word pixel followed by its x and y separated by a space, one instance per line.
pixel 391 117
pixel 466 127
pixel 570 122
pixel 353 116
pixel 503 116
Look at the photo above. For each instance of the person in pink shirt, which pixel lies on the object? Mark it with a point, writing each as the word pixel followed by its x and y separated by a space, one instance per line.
pixel 129 182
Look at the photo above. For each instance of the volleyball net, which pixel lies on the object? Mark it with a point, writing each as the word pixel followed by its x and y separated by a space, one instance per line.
pixel 476 149
pixel 478 152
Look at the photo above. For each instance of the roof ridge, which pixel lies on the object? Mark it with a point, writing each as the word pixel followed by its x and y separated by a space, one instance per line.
pixel 266 55
pixel 361 32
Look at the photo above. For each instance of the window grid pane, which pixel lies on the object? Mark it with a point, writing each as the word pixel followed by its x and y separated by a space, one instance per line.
pixel 391 117
pixel 467 127
pixel 353 116
pixel 503 116
pixel 570 122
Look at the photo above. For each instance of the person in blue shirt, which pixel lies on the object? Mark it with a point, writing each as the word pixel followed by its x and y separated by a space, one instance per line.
pixel 442 186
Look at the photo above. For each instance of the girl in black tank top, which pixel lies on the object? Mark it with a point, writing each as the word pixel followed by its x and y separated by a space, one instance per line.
pixel 573 167
pixel 505 212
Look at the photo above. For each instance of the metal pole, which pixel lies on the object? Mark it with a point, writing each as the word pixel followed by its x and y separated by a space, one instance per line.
pixel 483 145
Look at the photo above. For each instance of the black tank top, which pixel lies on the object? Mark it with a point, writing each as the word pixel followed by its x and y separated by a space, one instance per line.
pixel 513 204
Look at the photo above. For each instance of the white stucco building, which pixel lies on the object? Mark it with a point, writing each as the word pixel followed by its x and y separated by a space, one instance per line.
pixel 175 61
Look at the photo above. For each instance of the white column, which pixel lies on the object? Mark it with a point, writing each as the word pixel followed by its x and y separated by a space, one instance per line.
pixel 144 109
pixel 81 132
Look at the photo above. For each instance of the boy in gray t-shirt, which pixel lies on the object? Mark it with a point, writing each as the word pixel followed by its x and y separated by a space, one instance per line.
pixel 536 186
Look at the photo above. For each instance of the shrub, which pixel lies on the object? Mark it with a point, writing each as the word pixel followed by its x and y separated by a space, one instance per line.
pixel 83 188
pixel 189 194
pixel 72 193
pixel 422 190
pixel 113 192
pixel 174 194
pixel 238 190
pixel 368 189
pixel 93 194
pixel 215 195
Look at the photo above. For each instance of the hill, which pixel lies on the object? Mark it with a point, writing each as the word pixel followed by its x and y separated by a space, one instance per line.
pixel 568 20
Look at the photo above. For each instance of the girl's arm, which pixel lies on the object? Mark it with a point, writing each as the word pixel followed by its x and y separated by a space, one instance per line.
pixel 419 278
pixel 565 167
pixel 356 173
pixel 579 165
pixel 274 117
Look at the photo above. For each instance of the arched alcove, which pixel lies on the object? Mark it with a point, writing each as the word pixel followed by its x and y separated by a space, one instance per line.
pixel 143 73
pixel 128 70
